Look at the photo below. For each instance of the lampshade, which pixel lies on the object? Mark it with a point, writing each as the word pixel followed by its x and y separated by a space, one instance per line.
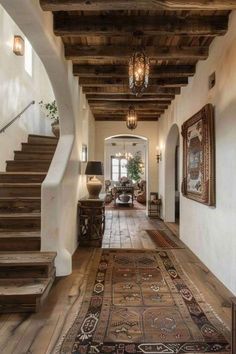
pixel 94 168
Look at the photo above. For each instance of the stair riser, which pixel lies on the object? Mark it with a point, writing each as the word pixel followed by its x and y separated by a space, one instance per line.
pixel 22 244
pixel 25 178
pixel 32 156
pixel 20 206
pixel 38 148
pixel 43 140
pixel 23 272
pixel 18 166
pixel 24 303
pixel 19 224
pixel 20 191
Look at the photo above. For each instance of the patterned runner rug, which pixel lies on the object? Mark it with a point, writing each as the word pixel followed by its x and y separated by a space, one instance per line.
pixel 142 302
pixel 161 239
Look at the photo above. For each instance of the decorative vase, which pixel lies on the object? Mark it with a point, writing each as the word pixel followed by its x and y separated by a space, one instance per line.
pixel 56 129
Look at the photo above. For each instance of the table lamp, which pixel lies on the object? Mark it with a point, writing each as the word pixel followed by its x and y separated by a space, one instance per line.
pixel 94 186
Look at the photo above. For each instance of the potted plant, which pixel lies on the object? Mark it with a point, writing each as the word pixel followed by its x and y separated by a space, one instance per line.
pixel 135 167
pixel 51 112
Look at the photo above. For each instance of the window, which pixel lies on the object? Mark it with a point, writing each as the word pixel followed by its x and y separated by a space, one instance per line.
pixel 28 57
pixel 118 168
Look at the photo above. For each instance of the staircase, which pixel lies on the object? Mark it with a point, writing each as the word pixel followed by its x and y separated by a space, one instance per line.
pixel 26 274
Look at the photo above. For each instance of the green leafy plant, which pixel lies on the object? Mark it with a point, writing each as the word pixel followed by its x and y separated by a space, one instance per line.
pixel 51 110
pixel 135 167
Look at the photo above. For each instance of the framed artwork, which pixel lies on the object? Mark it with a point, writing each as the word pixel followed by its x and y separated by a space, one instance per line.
pixel 84 155
pixel 199 157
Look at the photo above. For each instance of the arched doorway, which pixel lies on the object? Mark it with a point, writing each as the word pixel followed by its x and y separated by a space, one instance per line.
pixel 172 184
pixel 118 149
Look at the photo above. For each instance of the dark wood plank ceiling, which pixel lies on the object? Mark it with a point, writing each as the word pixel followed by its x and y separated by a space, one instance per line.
pixel 100 35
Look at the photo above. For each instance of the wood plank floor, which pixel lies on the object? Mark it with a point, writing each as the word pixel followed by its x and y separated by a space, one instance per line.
pixel 39 333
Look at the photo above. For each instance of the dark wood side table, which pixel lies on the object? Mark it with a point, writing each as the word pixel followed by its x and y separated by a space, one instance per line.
pixel 154 205
pixel 91 220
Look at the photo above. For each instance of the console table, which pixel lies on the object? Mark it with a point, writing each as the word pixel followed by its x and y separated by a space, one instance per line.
pixel 118 190
pixel 91 220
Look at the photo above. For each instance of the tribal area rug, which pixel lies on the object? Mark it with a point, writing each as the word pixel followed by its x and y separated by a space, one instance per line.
pixel 142 302
pixel 161 239
pixel 137 206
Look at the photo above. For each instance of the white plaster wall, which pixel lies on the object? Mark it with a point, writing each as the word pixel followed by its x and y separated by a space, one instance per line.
pixel 17 90
pixel 210 232
pixel 62 186
pixel 105 129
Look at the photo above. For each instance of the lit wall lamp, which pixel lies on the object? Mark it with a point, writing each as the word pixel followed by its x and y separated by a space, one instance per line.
pixel 159 156
pixel 18 46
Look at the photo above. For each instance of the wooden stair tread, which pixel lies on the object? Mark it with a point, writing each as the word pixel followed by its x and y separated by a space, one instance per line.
pixel 19 173
pixel 20 215
pixel 24 185
pixel 19 234
pixel 26 258
pixel 19 198
pixel 42 136
pixel 22 287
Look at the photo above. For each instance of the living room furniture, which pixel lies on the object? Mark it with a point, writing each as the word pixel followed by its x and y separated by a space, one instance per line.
pixel 94 185
pixel 141 194
pixel 91 221
pixel 154 205
pixel 119 190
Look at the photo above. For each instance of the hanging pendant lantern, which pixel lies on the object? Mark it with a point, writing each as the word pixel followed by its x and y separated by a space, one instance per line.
pixel 138 72
pixel 131 120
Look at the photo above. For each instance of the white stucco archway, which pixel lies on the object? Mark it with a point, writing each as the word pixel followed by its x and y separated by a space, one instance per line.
pixel 170 150
pixel 146 141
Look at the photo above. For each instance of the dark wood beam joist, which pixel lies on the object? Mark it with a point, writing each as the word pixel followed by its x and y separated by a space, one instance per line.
pixel 133 102
pixel 77 52
pixel 125 90
pixel 117 118
pixel 122 70
pixel 167 82
pixel 142 106
pixel 106 5
pixel 123 112
pixel 130 98
pixel 72 25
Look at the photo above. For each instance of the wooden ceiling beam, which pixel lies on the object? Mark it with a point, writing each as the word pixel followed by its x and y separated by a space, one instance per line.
pixel 130 98
pixel 106 5
pixel 142 106
pixel 97 81
pixel 122 70
pixel 123 112
pixel 117 118
pixel 125 90
pixel 77 51
pixel 72 25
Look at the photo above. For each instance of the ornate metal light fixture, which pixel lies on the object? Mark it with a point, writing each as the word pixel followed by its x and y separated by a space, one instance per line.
pixel 138 72
pixel 132 119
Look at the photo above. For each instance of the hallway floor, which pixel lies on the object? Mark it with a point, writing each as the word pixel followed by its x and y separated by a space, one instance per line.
pixel 40 333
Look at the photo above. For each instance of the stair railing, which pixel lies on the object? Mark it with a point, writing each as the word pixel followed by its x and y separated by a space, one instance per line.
pixel 233 344
pixel 2 130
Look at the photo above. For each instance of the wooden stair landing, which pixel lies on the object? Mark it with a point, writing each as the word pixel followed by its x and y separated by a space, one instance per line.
pixel 26 274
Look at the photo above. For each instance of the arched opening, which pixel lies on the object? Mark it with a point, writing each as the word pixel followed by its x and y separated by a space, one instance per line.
pixel 119 150
pixel 172 184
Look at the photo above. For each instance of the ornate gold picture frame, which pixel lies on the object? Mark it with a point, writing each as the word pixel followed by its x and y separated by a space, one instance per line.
pixel 199 157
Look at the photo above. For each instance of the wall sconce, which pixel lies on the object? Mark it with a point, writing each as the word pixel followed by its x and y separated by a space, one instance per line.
pixel 159 156
pixel 18 46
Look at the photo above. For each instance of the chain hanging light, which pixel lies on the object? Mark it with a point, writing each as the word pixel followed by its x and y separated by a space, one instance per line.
pixel 132 119
pixel 138 72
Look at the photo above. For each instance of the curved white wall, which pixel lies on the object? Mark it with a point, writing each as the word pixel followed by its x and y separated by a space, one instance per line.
pixel 210 232
pixel 60 188
pixel 17 90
